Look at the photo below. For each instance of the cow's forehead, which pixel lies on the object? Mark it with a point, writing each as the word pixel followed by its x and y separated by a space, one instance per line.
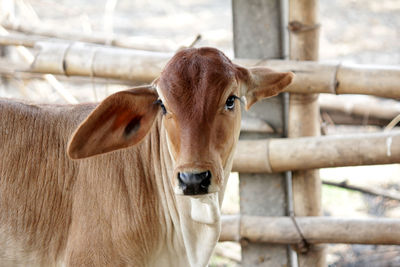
pixel 195 77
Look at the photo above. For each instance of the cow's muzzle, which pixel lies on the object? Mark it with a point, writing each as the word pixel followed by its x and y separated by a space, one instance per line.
pixel 194 183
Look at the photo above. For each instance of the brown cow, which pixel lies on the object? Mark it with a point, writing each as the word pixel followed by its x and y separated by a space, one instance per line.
pixel 155 203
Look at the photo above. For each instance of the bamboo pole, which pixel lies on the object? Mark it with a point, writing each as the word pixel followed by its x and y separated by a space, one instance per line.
pixel 354 123
pixel 304 153
pixel 370 191
pixel 16 40
pixel 336 78
pixel 304 119
pixel 368 107
pixel 82 59
pixel 316 230
pixel 133 42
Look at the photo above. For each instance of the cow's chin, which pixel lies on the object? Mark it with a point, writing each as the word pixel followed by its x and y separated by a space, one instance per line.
pixel 202 208
pixel 205 209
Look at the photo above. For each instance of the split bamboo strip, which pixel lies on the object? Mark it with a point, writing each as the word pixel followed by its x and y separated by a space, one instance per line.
pixel 303 153
pixel 82 59
pixel 316 230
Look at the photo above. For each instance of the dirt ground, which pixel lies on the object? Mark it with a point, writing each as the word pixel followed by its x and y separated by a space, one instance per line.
pixel 354 31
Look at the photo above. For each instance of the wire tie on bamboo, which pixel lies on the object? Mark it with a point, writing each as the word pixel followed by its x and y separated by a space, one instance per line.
pixel 304 99
pixel 302 246
pixel 298 27
pixel 335 79
pixel 244 241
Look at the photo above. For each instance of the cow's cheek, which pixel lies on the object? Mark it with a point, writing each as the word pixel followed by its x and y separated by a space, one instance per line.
pixel 172 130
pixel 173 142
pixel 227 130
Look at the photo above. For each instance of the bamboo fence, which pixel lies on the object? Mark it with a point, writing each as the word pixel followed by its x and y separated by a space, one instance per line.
pixel 303 153
pixel 316 230
pixel 83 59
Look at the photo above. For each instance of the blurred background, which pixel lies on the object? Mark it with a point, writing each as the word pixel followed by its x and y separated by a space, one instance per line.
pixel 362 32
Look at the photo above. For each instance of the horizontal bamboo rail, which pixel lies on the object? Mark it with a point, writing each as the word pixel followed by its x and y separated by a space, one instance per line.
pixel 303 153
pixel 82 59
pixel 17 40
pixel 366 190
pixel 38 31
pixel 316 230
pixel 367 107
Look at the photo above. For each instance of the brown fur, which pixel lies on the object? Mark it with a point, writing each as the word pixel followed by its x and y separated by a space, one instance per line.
pixel 53 206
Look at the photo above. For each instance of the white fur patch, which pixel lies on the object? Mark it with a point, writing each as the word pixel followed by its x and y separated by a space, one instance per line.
pixel 200 226
pixel 205 209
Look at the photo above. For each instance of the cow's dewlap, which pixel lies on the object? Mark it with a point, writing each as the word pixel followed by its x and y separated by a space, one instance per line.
pixel 205 209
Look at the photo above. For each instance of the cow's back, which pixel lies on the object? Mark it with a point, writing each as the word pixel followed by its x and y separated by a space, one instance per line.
pixel 36 180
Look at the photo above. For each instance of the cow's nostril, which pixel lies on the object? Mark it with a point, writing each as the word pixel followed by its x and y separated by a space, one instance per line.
pixel 205 183
pixel 194 183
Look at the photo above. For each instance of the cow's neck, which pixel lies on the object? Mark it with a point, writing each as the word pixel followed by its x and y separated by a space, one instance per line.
pixel 193 223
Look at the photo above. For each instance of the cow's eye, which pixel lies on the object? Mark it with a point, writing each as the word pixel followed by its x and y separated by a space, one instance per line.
pixel 230 102
pixel 164 110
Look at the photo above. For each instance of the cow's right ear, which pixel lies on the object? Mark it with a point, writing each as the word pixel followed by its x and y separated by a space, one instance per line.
pixel 121 120
pixel 260 82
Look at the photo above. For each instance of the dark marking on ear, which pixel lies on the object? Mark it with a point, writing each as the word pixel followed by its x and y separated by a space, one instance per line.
pixel 132 127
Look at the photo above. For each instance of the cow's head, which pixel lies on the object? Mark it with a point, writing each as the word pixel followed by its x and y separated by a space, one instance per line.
pixel 198 95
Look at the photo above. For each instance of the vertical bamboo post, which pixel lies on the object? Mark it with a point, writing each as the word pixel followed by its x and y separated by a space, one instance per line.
pixel 257 34
pixel 304 118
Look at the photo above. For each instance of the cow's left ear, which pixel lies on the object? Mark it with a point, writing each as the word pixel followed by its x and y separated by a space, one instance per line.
pixel 259 83
pixel 121 120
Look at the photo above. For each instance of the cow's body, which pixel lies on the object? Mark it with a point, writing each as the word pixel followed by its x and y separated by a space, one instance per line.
pixel 55 210
pixel 154 203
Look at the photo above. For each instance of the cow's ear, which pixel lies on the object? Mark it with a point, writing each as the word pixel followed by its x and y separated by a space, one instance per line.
pixel 121 120
pixel 259 83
